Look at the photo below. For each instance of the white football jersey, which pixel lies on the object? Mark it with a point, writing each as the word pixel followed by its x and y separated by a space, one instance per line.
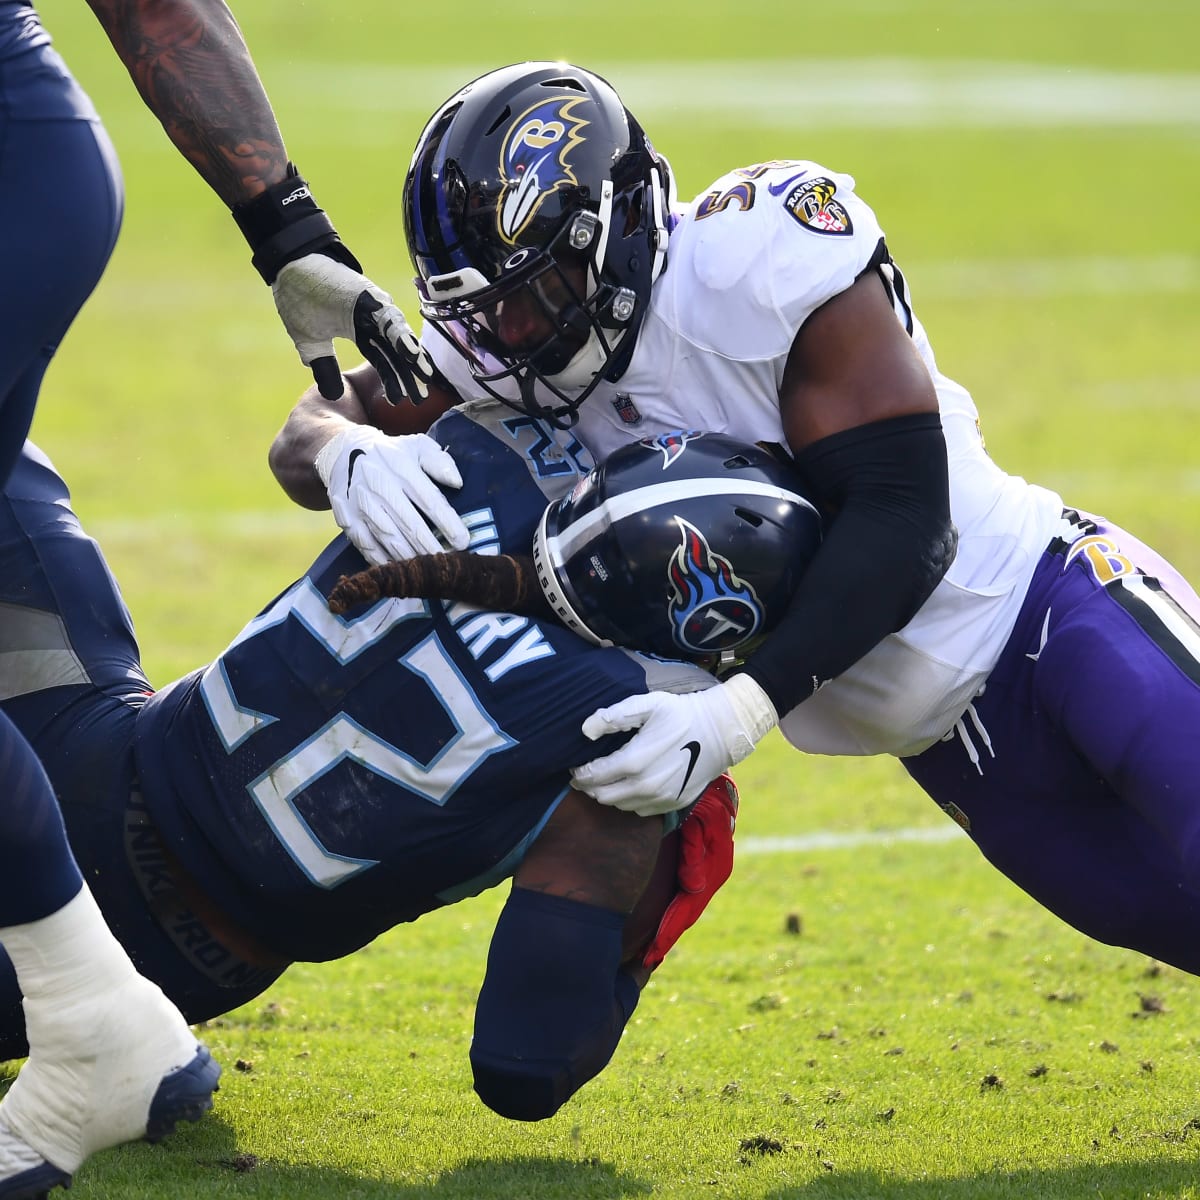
pixel 749 260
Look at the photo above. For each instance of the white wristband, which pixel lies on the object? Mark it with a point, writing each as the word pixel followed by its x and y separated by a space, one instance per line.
pixel 344 442
pixel 752 707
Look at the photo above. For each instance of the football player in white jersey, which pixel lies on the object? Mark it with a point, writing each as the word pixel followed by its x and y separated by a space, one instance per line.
pixel 557 272
pixel 1074 770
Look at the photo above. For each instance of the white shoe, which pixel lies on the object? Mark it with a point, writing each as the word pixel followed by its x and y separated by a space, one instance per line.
pixel 103 1070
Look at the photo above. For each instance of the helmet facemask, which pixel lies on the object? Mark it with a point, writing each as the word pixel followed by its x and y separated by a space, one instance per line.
pixel 549 319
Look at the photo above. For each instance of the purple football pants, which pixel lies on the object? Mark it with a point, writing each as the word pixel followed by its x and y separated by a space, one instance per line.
pixel 1077 769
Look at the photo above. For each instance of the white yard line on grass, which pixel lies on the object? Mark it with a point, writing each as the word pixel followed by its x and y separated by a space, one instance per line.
pixel 794 93
pixel 911 93
pixel 806 843
pixel 1086 275
pixel 1123 275
pixel 244 524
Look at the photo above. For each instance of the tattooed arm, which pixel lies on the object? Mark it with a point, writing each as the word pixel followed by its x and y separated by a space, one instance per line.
pixel 190 63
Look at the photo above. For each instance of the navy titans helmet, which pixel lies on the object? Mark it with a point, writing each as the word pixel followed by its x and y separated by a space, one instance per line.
pixel 686 545
pixel 533 192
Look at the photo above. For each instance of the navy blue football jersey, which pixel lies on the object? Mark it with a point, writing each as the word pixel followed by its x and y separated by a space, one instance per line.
pixel 330 776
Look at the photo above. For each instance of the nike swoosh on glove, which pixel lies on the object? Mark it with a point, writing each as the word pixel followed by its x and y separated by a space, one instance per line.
pixel 319 299
pixel 386 493
pixel 683 741
pixel 705 863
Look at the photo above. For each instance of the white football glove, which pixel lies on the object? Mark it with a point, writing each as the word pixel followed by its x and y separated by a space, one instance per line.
pixel 320 299
pixel 386 493
pixel 684 742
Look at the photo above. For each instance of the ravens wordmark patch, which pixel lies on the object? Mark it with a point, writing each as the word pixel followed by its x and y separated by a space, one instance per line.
pixel 814 203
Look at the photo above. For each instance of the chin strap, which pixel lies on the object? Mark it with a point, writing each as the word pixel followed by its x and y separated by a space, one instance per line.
pixel 662 200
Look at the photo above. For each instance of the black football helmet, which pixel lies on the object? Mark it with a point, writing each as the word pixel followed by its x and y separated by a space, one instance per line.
pixel 687 545
pixel 536 213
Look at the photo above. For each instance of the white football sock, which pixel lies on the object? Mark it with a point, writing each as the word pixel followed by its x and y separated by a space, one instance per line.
pixel 68 953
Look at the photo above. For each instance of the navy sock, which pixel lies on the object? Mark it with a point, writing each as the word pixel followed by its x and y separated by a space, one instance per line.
pixel 38 873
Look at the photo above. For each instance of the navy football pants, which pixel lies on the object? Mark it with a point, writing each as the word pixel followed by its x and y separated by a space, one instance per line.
pixel 1089 795
pixel 61 202
pixel 60 210
pixel 75 690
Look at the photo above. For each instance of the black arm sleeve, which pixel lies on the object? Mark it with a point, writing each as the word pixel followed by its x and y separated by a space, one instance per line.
pixel 887 545
pixel 553 1005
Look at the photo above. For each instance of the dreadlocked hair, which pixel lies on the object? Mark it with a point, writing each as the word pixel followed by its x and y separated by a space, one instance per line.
pixel 497 582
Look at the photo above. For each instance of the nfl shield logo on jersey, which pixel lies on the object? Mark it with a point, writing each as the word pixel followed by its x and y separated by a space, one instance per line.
pixel 626 409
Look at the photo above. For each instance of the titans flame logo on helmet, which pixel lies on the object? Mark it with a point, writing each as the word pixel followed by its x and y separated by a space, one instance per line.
pixel 535 159
pixel 711 609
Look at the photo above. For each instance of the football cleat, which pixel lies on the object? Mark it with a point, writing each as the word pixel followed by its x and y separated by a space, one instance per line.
pixel 105 1071
pixel 24 1173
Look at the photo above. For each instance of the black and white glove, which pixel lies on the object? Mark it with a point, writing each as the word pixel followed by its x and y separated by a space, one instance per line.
pixel 385 493
pixel 683 743
pixel 322 294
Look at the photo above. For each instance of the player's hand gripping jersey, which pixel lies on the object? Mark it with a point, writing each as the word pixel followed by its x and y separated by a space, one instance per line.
pixel 749 261
pixel 328 777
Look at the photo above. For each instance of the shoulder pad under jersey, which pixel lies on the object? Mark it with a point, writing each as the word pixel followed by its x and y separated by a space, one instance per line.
pixel 512 466
pixel 763 247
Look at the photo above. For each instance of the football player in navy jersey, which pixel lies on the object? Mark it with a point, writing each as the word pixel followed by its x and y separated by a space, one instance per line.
pixel 330 776
pixel 113 1060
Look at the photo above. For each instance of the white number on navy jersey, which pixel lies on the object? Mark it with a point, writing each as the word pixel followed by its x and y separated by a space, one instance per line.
pixel 342 738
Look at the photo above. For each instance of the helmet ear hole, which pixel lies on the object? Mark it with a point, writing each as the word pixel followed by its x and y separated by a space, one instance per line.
pixel 504 114
pixel 633 214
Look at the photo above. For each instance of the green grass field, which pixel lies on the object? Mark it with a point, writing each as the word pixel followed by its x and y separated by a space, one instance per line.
pixel 930 1032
